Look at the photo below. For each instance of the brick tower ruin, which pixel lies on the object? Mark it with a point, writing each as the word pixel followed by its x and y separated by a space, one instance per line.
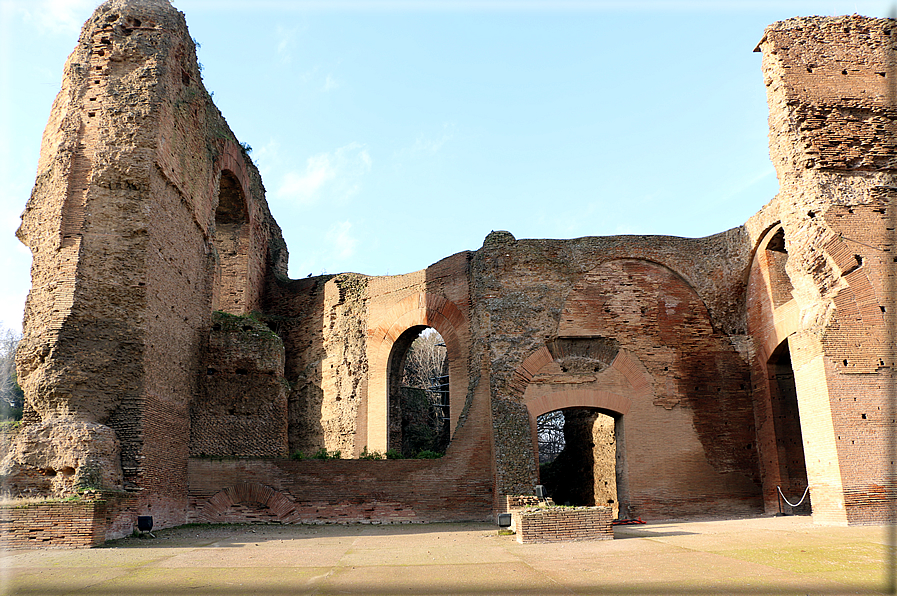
pixel 171 366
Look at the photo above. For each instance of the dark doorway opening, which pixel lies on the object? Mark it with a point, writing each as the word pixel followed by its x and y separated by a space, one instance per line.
pixel 789 441
pixel 580 452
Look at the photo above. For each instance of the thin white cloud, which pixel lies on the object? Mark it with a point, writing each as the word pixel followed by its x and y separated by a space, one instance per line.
pixel 57 17
pixel 343 242
pixel 286 41
pixel 336 175
pixel 424 144
pixel 267 157
pixel 303 187
pixel 329 84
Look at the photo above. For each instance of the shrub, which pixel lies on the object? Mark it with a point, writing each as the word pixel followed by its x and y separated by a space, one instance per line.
pixel 322 453
pixel 426 454
pixel 365 454
pixel 393 454
pixel 298 455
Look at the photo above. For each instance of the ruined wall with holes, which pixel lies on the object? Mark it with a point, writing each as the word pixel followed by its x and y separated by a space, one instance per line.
pixel 240 409
pixel 322 323
pixel 625 325
pixel 121 224
pixel 731 364
pixel 826 289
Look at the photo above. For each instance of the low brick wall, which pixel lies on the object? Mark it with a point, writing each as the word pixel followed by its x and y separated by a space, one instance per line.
pixel 562 524
pixel 337 491
pixel 53 524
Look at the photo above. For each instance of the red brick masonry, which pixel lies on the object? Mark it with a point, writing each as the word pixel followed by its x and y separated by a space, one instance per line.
pixel 563 524
pixel 66 524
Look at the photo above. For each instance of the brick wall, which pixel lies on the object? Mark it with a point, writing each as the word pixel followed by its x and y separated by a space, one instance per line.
pixel 241 406
pixel 563 524
pixel 341 491
pixel 832 143
pixel 54 524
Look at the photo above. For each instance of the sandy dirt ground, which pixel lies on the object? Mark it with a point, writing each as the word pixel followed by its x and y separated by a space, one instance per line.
pixel 782 555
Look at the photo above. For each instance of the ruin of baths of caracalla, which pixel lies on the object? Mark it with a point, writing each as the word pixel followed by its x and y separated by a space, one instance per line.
pixel 170 363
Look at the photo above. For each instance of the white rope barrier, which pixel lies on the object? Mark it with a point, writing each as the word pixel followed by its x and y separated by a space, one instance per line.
pixel 806 490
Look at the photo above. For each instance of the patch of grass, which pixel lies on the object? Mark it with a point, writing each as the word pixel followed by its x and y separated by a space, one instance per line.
pixel 10 426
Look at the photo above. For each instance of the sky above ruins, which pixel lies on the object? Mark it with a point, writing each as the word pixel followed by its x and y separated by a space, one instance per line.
pixel 392 134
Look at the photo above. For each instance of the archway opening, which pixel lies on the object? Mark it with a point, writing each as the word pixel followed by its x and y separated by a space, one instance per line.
pixel 231 243
pixel 789 440
pixel 419 417
pixel 580 452
pixel 777 258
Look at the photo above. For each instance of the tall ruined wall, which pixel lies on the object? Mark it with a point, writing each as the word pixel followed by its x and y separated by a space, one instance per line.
pixel 322 323
pixel 656 320
pixel 832 141
pixel 339 334
pixel 121 225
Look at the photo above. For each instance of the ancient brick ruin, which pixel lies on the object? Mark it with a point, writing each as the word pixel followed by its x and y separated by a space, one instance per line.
pixel 730 365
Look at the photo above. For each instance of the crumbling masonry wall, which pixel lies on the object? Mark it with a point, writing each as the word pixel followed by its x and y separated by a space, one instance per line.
pixel 121 225
pixel 162 333
pixel 832 141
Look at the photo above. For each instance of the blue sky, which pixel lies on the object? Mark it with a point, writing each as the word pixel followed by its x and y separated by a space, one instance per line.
pixel 392 134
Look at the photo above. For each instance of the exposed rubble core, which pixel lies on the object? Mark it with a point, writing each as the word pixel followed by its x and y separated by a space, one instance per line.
pixel 168 359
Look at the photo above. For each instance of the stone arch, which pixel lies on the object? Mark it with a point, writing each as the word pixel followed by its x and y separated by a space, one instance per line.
pixel 216 508
pixel 230 221
pixel 632 370
pixel 849 343
pixel 418 310
pixel 769 311
pixel 230 239
pixel 598 399
pixel 640 388
pixel 604 395
pixel 624 362
pixel 586 293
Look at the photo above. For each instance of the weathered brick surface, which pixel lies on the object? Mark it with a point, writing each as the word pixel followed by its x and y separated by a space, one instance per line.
pixel 328 491
pixel 832 142
pixel 562 524
pixel 54 524
pixel 241 406
pixel 76 523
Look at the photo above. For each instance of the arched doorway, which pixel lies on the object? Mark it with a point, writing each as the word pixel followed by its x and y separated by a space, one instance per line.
pixel 578 456
pixel 419 394
pixel 390 335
